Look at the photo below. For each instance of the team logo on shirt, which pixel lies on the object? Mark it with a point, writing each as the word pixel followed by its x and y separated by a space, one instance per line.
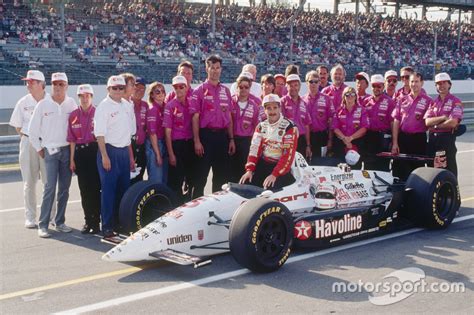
pixel 418 116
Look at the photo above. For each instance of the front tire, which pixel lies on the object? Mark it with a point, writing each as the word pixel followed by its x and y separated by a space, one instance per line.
pixel 261 235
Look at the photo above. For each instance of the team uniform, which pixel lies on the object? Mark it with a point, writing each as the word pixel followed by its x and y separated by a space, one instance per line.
pixel 363 99
pixel 154 126
pixel 321 111
pixel 335 93
pixel 255 89
pixel 401 93
pixel 172 95
pixel 138 141
pixel 272 151
pixel 298 113
pixel 444 139
pixel 80 132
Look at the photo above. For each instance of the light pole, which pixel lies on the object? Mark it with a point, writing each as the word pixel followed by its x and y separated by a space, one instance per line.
pixel 61 10
pixel 292 22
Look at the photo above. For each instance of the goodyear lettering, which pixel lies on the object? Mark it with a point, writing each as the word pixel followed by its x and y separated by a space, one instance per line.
pixel 341 177
pixel 434 208
pixel 178 239
pixel 285 257
pixel 265 214
pixel 343 225
pixel 140 207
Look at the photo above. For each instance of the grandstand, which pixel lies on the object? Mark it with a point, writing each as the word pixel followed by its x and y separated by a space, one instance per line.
pixel 149 38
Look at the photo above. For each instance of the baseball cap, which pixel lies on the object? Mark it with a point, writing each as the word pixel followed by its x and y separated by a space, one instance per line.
pixel 59 76
pixel 391 73
pixel 377 78
pixel 443 76
pixel 85 88
pixel 352 157
pixel 362 75
pixel 293 77
pixel 271 98
pixel 140 80
pixel 279 75
pixel 179 79
pixel 34 75
pixel 115 80
pixel 247 75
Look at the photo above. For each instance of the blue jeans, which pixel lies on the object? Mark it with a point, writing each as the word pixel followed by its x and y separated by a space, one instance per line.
pixel 57 172
pixel 157 173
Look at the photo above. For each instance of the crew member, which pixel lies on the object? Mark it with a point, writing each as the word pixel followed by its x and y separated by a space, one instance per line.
pixel 338 75
pixel 268 85
pixel 250 71
pixel 362 83
pixel 391 80
pixel 83 158
pixel 272 150
pixel 138 141
pixel 185 69
pixel 323 73
pixel 280 85
pixel 405 90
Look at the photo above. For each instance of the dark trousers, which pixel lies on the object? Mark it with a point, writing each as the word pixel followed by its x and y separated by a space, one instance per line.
pixel 301 148
pixel 239 159
pixel 376 142
pixel 319 139
pixel 183 172
pixel 216 146
pixel 88 179
pixel 139 154
pixel 264 169
pixel 114 183
pixel 409 143
pixel 339 149
pixel 444 141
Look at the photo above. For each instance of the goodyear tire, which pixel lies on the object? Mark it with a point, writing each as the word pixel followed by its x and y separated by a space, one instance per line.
pixel 434 198
pixel 261 235
pixel 144 202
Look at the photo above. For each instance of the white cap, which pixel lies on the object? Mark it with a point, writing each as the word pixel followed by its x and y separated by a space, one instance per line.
pixel 116 80
pixel 391 73
pixel 352 157
pixel 247 75
pixel 377 78
pixel 59 76
pixel 443 76
pixel 179 79
pixel 293 77
pixel 85 88
pixel 271 98
pixel 362 75
pixel 279 75
pixel 34 75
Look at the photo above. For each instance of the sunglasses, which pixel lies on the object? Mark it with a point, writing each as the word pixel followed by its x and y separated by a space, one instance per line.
pixel 313 81
pixel 59 84
pixel 120 88
pixel 244 87
pixel 350 94
pixel 405 77
pixel 377 86
pixel 392 81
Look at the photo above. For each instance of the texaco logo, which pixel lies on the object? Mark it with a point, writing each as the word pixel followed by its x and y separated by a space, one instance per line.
pixel 303 230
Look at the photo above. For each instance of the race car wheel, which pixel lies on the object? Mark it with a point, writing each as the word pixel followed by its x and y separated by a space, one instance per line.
pixel 144 202
pixel 261 235
pixel 434 198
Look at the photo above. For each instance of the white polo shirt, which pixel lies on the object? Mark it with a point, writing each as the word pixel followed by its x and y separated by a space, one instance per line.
pixel 49 123
pixel 23 111
pixel 115 122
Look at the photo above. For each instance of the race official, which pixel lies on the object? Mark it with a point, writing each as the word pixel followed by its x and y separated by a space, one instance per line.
pixel 212 127
pixel 362 83
pixel 323 73
pixel 379 107
pixel 391 80
pixel 409 128
pixel 442 118
pixel 336 89
pixel 48 134
pixel 185 69
pixel 272 150
pixel 31 164
pixel 321 111
pixel 140 108
pixel 114 126
pixel 83 146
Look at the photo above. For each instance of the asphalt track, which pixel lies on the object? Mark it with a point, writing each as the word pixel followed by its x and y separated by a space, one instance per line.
pixel 65 274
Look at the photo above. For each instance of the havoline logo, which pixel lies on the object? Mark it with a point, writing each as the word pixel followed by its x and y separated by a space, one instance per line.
pixel 340 226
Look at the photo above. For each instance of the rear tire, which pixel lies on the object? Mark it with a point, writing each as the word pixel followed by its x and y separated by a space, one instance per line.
pixel 144 202
pixel 434 198
pixel 261 235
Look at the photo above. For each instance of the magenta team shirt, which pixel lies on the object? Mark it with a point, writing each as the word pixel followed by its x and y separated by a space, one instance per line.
pixel 380 112
pixel 81 126
pixel 410 111
pixel 140 108
pixel 350 121
pixel 214 105
pixel 402 93
pixel 172 95
pixel 320 109
pixel 177 117
pixel 246 120
pixel 154 120
pixel 451 107
pixel 335 93
pixel 363 99
pixel 297 112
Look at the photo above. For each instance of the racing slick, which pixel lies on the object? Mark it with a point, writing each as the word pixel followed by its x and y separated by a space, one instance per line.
pixel 273 148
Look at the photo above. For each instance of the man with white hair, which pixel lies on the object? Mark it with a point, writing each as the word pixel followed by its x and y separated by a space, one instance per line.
pixel 338 75
pixel 256 88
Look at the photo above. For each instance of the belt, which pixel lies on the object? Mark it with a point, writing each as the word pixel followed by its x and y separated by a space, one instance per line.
pixel 437 134
pixel 216 129
pixel 85 145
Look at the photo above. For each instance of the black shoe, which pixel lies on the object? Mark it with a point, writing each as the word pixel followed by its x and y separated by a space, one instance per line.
pixel 94 229
pixel 109 234
pixel 86 229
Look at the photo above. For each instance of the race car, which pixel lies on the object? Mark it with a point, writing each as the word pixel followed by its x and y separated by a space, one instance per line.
pixel 261 227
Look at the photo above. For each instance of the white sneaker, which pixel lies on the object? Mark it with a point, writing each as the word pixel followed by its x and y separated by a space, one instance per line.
pixel 63 228
pixel 43 233
pixel 30 224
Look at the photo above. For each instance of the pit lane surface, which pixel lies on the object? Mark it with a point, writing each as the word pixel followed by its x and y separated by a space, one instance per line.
pixel 65 273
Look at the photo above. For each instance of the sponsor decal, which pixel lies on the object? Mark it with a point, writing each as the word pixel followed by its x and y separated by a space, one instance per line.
pixel 342 195
pixel 352 186
pixel 200 235
pixel 178 239
pixel 359 194
pixel 303 230
pixel 322 179
pixel 365 174
pixel 293 198
pixel 341 177
pixel 176 214
pixel 335 227
pixel 382 223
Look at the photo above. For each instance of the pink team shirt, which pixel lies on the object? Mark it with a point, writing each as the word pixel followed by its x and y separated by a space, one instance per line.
pixel 410 112
pixel 348 122
pixel 401 93
pixel 246 120
pixel 335 93
pixel 451 107
pixel 214 105
pixel 380 112
pixel 140 108
pixel 81 126
pixel 297 112
pixel 172 95
pixel 154 120
pixel 363 99
pixel 177 117
pixel 320 109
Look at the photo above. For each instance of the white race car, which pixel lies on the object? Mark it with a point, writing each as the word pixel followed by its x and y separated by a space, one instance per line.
pixel 261 227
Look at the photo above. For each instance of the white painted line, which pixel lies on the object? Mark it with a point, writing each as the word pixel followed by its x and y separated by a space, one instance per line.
pixel 235 273
pixel 466 151
pixel 23 208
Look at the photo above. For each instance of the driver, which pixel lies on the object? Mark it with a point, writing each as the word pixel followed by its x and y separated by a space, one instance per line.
pixel 273 148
